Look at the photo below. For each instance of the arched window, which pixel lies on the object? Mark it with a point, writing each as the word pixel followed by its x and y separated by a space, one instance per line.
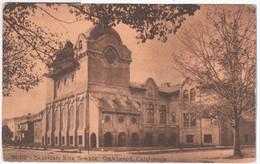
pixel 185 95
pixel 163 114
pixel 150 114
pixel 72 78
pixel 49 126
pixel 80 117
pixel 65 81
pixel 80 44
pixel 71 117
pixel 150 92
pixel 173 117
pixel 192 94
pixel 57 119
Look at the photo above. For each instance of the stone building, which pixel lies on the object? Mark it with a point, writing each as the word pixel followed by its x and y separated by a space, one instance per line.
pixel 91 102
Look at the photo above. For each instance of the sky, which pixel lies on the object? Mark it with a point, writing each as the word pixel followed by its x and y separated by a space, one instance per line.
pixel 151 59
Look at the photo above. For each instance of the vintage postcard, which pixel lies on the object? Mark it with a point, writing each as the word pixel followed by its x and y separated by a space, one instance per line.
pixel 129 83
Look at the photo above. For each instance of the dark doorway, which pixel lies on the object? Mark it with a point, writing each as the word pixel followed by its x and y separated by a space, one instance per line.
pixel 173 139
pixel 148 139
pixel 161 139
pixel 121 139
pixel 134 139
pixel 93 140
pixel 108 139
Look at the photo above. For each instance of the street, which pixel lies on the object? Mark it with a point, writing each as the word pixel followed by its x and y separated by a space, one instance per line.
pixel 170 155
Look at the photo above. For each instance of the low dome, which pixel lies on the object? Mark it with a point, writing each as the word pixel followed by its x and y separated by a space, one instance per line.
pixel 97 31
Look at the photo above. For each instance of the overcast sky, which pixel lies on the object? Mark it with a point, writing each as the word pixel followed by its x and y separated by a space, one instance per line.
pixel 151 59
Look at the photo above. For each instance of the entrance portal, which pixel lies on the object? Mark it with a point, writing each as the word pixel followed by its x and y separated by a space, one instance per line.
pixel 93 140
pixel 121 139
pixel 173 139
pixel 134 139
pixel 161 139
pixel 108 139
pixel 148 139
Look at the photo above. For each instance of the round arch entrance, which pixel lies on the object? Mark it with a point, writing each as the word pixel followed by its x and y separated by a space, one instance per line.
pixel 161 139
pixel 93 139
pixel 134 139
pixel 173 139
pixel 122 139
pixel 148 139
pixel 108 139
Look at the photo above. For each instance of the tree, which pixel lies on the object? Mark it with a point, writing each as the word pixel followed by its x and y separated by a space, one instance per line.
pixel 220 56
pixel 24 41
pixel 6 133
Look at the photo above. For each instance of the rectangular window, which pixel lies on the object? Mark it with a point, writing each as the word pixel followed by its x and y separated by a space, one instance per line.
pixel 49 141
pixel 207 138
pixel 56 140
pixel 80 140
pixel 71 139
pixel 63 140
pixel 42 140
pixel 186 120
pixel 189 138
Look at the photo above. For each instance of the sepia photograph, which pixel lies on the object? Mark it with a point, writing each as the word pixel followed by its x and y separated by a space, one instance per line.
pixel 133 83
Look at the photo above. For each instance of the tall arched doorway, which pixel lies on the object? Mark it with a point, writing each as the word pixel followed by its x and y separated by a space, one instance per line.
pixel 107 139
pixel 161 139
pixel 173 139
pixel 148 139
pixel 122 139
pixel 134 139
pixel 93 139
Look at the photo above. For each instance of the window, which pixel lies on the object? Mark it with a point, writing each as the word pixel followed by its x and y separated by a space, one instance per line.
pixel 150 92
pixel 192 94
pixel 80 44
pixel 246 138
pixel 65 81
pixel 107 119
pixel 193 121
pixel 133 120
pixel 173 117
pixel 110 56
pixel 185 96
pixel 48 140
pixel 207 138
pixel 150 114
pixel 72 78
pixel 63 140
pixel 71 139
pixel 189 138
pixel 121 119
pixel 42 140
pixel 58 84
pixel 163 114
pixel 186 119
pixel 80 140
pixel 56 140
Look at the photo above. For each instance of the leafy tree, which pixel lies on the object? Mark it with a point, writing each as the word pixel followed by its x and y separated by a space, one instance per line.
pixel 24 41
pixel 220 56
pixel 6 133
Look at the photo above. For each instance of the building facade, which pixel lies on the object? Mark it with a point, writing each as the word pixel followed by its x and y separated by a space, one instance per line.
pixel 92 103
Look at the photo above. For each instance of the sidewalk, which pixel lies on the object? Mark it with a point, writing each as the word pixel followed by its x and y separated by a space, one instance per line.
pixel 122 150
